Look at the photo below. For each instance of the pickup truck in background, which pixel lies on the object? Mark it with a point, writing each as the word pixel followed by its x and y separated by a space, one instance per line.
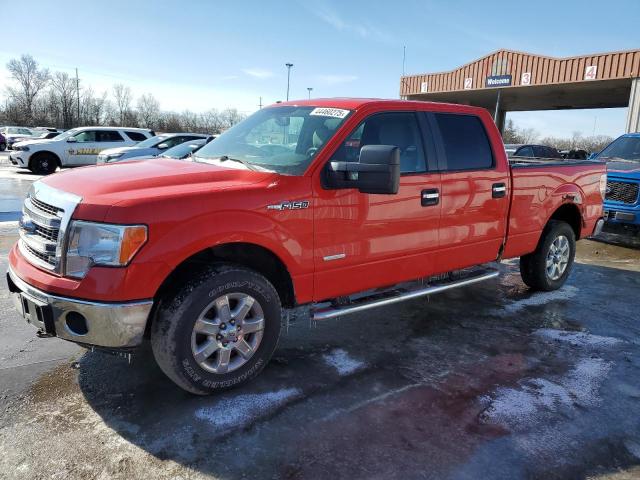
pixel 318 208
pixel 622 201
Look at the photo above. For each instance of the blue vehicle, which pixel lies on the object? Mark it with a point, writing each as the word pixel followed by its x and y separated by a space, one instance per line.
pixel 622 201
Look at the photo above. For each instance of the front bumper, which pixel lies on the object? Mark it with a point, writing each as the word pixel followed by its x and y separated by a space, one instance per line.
pixel 617 213
pixel 108 325
pixel 19 157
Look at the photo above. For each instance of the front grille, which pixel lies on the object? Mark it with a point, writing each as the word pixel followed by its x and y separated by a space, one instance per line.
pixel 48 259
pixel 44 207
pixel 623 192
pixel 47 233
pixel 40 230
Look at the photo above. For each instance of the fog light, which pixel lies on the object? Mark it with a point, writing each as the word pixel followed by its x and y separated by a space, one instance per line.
pixel 76 323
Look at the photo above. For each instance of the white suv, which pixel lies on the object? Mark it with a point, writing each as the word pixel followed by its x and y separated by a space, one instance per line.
pixel 75 147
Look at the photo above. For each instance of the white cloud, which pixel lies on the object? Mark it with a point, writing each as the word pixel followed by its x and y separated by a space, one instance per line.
pixel 258 72
pixel 336 79
pixel 363 29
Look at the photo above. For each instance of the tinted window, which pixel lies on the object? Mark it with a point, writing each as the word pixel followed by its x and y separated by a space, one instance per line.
pixel 108 136
pixel 553 153
pixel 399 129
pixel 524 152
pixel 136 136
pixel 465 142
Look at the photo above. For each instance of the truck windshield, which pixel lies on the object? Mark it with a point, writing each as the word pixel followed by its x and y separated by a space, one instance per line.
pixel 624 148
pixel 282 139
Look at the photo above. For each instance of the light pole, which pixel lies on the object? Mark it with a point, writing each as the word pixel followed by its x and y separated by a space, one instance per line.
pixel 309 90
pixel 289 65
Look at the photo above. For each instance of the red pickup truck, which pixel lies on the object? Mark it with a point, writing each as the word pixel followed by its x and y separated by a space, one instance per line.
pixel 319 207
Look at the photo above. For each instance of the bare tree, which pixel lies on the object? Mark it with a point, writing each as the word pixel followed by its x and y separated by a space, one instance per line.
pixel 64 89
pixel 122 96
pixel 31 81
pixel 148 111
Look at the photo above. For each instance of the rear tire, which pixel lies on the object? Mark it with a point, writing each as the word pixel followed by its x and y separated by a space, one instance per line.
pixel 218 330
pixel 3 147
pixel 549 266
pixel 43 164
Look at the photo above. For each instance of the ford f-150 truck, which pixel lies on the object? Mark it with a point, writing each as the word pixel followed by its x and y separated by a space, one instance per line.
pixel 320 208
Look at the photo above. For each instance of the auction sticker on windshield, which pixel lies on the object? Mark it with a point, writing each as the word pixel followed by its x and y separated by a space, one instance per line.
pixel 329 112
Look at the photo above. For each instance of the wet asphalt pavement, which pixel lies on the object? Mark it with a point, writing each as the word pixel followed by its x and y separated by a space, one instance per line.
pixel 489 381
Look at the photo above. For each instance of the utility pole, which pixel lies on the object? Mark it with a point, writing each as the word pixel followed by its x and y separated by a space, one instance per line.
pixel 260 104
pixel 288 65
pixel 78 96
pixel 309 90
pixel 404 58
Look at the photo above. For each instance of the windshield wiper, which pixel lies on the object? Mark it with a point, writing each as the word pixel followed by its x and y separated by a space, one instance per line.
pixel 225 158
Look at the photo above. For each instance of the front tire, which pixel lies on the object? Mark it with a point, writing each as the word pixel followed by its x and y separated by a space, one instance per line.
pixel 3 147
pixel 43 164
pixel 549 266
pixel 218 331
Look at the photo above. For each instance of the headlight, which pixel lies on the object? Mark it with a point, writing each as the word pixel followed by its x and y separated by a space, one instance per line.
pixel 101 244
pixel 603 185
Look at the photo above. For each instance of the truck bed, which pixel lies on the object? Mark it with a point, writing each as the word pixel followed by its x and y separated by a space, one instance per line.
pixel 538 186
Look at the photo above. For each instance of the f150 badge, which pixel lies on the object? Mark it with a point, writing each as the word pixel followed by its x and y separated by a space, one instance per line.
pixel 295 205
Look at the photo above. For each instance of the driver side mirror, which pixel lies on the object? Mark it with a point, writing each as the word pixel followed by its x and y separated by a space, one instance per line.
pixel 377 171
pixel 71 140
pixel 163 146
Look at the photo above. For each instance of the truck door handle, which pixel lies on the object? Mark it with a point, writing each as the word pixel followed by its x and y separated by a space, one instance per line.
pixel 430 196
pixel 498 190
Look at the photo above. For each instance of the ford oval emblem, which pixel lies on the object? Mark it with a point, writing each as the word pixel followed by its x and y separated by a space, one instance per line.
pixel 27 224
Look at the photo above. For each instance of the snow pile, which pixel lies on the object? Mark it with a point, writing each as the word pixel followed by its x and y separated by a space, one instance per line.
pixel 578 339
pixel 533 398
pixel 542 298
pixel 244 409
pixel 342 362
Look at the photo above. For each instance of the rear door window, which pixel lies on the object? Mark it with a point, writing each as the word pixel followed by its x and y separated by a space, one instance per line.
pixel 465 142
pixel 108 136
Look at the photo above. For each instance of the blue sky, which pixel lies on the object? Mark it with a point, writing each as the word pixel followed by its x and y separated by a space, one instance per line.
pixel 198 55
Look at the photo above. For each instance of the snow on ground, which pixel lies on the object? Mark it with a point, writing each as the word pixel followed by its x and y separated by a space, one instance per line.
pixel 342 362
pixel 520 407
pixel 538 299
pixel 242 410
pixel 579 339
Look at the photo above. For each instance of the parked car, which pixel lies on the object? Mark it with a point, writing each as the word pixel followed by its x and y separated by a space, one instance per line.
pixel 622 201
pixel 532 151
pixel 179 152
pixel 150 147
pixel 15 134
pixel 365 203
pixel 37 135
pixel 75 147
pixel 3 143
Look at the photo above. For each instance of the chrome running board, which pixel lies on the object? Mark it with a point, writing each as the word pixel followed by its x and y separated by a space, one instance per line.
pixel 404 292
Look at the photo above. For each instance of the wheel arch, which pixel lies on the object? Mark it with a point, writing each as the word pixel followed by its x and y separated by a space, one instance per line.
pixel 246 254
pixel 568 213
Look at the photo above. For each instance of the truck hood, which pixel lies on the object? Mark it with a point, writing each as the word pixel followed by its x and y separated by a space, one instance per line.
pixel 108 185
pixel 624 169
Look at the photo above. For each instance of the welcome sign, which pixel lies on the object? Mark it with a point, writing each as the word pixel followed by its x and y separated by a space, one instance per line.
pixel 498 81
